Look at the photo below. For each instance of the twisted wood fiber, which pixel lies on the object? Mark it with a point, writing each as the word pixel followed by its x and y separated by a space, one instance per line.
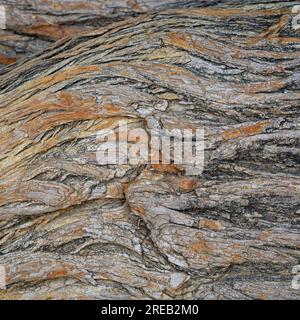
pixel 72 229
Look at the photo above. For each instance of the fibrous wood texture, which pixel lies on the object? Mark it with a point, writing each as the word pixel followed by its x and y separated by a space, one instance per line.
pixel 32 25
pixel 72 229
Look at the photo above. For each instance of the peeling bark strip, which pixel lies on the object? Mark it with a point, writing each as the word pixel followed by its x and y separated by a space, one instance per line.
pixel 72 229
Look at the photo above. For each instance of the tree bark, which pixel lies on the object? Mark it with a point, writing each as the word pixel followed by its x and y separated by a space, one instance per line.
pixel 33 25
pixel 72 229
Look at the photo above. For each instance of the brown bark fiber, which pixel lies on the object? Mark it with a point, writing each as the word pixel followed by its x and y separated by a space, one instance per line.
pixel 73 229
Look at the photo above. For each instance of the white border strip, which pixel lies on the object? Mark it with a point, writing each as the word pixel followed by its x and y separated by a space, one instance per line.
pixel 2 17
pixel 2 278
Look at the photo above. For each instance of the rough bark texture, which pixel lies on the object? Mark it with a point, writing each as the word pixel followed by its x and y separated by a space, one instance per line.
pixel 32 25
pixel 70 228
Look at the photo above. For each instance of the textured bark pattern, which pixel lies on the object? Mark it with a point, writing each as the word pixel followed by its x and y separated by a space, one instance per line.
pixel 70 228
pixel 32 25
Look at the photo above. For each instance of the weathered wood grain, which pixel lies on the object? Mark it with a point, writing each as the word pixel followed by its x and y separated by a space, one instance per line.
pixel 71 229
pixel 32 25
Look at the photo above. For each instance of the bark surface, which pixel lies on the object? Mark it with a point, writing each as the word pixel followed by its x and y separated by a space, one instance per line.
pixel 73 229
pixel 33 25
